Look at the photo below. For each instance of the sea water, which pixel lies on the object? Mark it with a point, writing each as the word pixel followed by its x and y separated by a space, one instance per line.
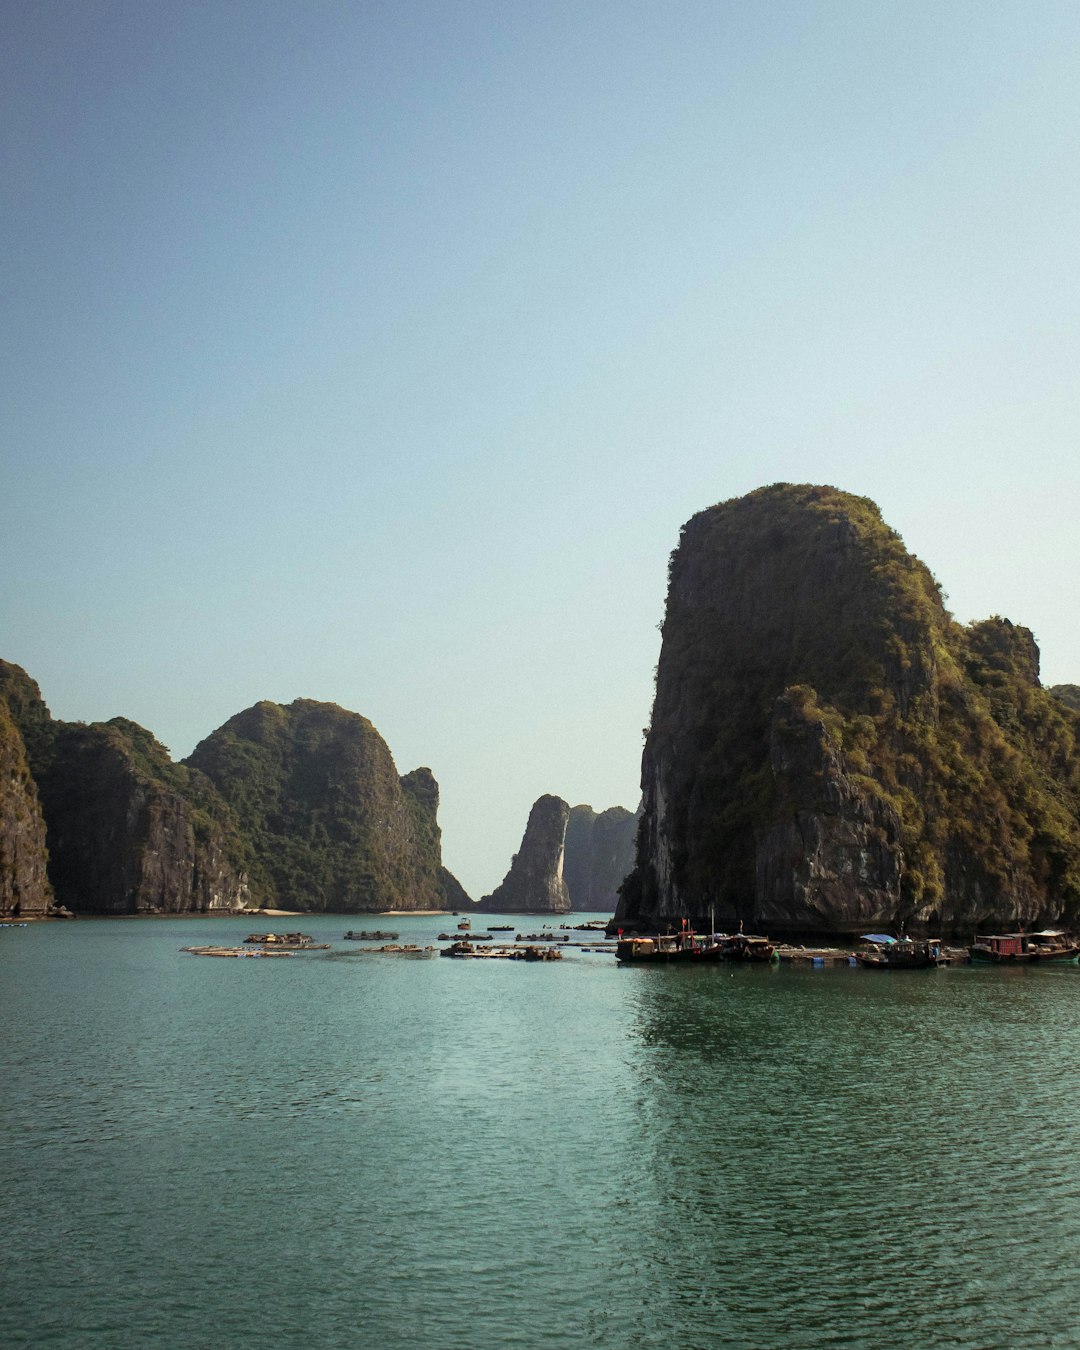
pixel 343 1149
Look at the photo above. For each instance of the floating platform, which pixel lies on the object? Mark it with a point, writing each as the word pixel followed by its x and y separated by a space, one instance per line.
pixel 463 951
pixel 256 952
pixel 396 949
pixel 297 942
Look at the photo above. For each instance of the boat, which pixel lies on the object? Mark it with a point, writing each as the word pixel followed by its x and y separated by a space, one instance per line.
pixel 885 952
pixel 1051 944
pixel 294 941
pixel 683 948
pixel 745 947
pixel 370 935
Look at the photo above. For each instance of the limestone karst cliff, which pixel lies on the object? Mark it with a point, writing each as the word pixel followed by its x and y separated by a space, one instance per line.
pixel 24 883
pixel 128 831
pixel 830 750
pixel 304 801
pixel 599 855
pixel 131 832
pixel 569 859
pixel 534 883
pixel 328 822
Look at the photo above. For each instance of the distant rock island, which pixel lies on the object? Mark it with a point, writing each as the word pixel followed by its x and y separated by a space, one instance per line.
pixel 295 807
pixel 830 751
pixel 569 859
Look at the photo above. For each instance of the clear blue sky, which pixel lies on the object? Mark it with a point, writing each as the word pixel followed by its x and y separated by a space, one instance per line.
pixel 375 352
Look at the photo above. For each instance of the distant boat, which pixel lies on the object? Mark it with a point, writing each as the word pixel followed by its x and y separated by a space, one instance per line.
pixel 1052 944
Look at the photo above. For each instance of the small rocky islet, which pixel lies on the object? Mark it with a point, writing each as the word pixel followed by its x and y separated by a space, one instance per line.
pixel 829 751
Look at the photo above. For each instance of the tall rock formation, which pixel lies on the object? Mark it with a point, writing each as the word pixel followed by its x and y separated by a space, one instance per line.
pixel 128 831
pixel 534 883
pixel 329 824
pixel 24 884
pixel 599 855
pixel 830 750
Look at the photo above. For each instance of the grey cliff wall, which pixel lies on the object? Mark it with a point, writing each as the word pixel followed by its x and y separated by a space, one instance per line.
pixel 599 855
pixel 24 883
pixel 535 883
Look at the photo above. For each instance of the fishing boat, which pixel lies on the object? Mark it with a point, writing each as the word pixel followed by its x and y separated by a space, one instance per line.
pixel 885 952
pixel 370 935
pixel 688 948
pixel 1051 944
pixel 746 947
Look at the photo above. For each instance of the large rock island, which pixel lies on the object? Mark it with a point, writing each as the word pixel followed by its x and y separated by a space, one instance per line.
pixel 831 751
pixel 295 807
pixel 328 822
pixel 128 831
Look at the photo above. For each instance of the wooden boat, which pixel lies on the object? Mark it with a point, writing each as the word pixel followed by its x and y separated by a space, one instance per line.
pixel 888 953
pixel 688 948
pixel 293 941
pixel 744 947
pixel 1052 944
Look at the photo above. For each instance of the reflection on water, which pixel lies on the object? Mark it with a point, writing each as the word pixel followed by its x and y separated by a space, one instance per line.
pixel 852 1159
pixel 393 1153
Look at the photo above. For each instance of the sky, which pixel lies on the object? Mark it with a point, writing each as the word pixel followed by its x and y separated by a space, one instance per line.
pixel 375 353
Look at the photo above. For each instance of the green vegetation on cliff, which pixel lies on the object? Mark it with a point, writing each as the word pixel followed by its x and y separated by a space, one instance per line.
pixel 938 771
pixel 328 823
pixel 128 830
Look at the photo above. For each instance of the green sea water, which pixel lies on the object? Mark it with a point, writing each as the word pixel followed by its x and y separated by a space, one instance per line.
pixel 345 1150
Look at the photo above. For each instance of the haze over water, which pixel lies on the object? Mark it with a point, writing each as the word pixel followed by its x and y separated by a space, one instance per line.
pixel 351 1150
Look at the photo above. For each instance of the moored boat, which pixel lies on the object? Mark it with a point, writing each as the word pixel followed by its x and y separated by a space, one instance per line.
pixel 884 952
pixel 294 941
pixel 688 947
pixel 1051 944
pixel 746 947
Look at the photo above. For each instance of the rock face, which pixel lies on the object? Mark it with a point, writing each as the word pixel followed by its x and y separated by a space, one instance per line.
pixel 329 824
pixel 304 799
pixel 534 883
pixel 831 751
pixel 599 855
pixel 128 831
pixel 24 885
